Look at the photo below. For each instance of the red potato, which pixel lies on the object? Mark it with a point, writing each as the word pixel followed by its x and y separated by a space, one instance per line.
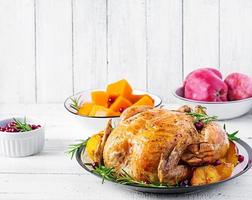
pixel 239 86
pixel 205 85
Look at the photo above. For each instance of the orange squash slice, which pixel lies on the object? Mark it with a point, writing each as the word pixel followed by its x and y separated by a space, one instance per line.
pixel 85 109
pixel 120 104
pixel 145 101
pixel 119 88
pixel 100 98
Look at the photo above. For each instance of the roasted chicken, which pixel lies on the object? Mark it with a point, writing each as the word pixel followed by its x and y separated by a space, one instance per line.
pixel 160 145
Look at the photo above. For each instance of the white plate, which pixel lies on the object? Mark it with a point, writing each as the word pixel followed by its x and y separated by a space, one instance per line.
pixel 93 125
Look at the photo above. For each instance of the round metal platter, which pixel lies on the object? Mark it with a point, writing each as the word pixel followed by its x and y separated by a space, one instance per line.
pixel 241 168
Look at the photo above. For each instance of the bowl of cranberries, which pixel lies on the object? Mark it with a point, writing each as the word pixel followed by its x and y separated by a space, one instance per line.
pixel 21 137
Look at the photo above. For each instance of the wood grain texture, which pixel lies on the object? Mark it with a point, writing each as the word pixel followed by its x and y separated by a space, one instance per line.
pixel 90 45
pixel 127 41
pixel 201 34
pixel 54 50
pixel 52 175
pixel 164 46
pixel 17 62
pixel 235 36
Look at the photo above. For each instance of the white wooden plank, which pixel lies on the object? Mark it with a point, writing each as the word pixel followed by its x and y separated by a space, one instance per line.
pixel 164 46
pixel 51 175
pixel 87 186
pixel 52 160
pixel 235 36
pixel 127 42
pixel 201 34
pixel 17 71
pixel 54 50
pixel 90 52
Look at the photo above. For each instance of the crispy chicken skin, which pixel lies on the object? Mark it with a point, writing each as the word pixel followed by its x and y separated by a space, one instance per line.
pixel 149 144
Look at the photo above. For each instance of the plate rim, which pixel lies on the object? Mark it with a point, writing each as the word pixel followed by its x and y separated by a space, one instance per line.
pixel 198 187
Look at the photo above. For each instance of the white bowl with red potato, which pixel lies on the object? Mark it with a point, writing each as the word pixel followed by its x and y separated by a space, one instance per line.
pixel 21 137
pixel 226 98
pixel 93 108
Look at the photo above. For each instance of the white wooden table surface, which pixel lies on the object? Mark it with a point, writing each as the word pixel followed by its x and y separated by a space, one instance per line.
pixel 52 175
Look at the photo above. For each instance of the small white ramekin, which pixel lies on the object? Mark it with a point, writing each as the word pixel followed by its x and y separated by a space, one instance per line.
pixel 20 144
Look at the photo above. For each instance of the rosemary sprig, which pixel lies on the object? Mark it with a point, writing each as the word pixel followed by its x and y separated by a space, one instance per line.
pixel 202 117
pixel 73 148
pixel 231 136
pixel 22 126
pixel 123 178
pixel 105 172
pixel 75 103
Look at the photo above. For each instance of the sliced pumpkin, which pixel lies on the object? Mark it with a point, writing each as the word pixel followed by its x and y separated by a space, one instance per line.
pixel 232 154
pixel 146 100
pixel 100 98
pixel 93 143
pixel 205 175
pixel 112 113
pixel 85 109
pixel 135 97
pixel 119 88
pixel 225 170
pixel 100 111
pixel 120 104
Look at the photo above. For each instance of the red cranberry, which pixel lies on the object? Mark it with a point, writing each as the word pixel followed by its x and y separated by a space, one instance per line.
pixel 33 126
pixel 95 164
pixel 3 129
pixel 240 158
pixel 184 183
pixel 199 125
pixel 217 162
pixel 13 123
pixel 110 100
pixel 11 130
pixel 121 110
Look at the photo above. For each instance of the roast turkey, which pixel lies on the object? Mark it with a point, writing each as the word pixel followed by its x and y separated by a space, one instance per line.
pixel 160 145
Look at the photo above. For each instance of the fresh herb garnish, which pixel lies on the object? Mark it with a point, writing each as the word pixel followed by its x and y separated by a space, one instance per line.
pixel 123 178
pixel 231 136
pixel 73 148
pixel 202 117
pixel 105 172
pixel 22 126
pixel 75 103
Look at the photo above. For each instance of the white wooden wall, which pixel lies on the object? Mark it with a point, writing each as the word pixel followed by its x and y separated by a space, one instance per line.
pixel 52 48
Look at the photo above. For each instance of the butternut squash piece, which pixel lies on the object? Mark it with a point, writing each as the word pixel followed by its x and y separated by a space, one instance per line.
pixel 119 88
pixel 145 101
pixel 232 154
pixel 135 97
pixel 100 111
pixel 225 170
pixel 120 104
pixel 205 175
pixel 111 113
pixel 100 98
pixel 93 143
pixel 85 109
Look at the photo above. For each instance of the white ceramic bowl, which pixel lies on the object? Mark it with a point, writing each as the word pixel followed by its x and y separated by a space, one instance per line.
pixel 93 125
pixel 224 110
pixel 20 144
